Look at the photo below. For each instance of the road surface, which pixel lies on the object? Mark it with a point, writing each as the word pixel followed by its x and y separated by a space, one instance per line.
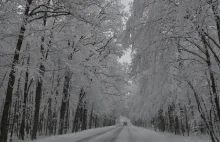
pixel 128 134
pixel 119 133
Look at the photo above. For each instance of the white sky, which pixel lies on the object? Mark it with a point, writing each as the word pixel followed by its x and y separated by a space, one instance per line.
pixel 126 58
pixel 126 2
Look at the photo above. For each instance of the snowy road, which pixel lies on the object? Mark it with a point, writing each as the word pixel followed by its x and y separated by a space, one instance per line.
pixel 130 134
pixel 118 134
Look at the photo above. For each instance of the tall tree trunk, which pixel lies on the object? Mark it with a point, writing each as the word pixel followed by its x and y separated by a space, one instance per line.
pixel 84 120
pixel 78 115
pixel 73 115
pixel 91 117
pixel 104 122
pixel 96 122
pixel 81 116
pixel 15 111
pixel 50 118
pixel 13 119
pixel 40 124
pixel 186 121
pixel 39 83
pixel 21 135
pixel 16 107
pixel 54 121
pixel 37 102
pixel 65 100
pixel 8 98
pixel 177 127
pixel 66 124
pixel 76 120
pixel 55 104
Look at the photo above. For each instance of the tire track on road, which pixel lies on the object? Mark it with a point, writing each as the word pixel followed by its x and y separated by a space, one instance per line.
pixel 115 135
pixel 131 135
pixel 96 135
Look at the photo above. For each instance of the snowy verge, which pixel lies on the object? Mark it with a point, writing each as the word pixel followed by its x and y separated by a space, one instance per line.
pixel 74 136
pixel 168 137
pixel 187 138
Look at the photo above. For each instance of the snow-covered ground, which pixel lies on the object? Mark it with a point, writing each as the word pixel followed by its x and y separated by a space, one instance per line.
pixel 144 135
pixel 72 137
pixel 120 134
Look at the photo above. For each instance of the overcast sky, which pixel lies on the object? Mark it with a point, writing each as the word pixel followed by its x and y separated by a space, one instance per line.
pixel 126 2
pixel 127 57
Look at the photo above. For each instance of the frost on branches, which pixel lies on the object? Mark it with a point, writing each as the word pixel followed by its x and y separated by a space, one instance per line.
pixel 58 66
pixel 176 64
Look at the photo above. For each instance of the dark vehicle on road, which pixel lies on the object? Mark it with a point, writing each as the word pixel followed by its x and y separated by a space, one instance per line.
pixel 125 123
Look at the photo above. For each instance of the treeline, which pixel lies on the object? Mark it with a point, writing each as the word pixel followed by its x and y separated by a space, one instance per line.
pixel 176 65
pixel 173 123
pixel 58 66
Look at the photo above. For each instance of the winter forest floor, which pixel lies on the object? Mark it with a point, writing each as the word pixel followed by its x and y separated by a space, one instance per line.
pixel 120 133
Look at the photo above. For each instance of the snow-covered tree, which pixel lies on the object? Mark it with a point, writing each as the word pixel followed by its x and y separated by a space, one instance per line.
pixel 59 66
pixel 176 64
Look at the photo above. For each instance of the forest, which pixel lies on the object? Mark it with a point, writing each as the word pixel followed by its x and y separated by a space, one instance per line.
pixel 59 66
pixel 60 71
pixel 176 65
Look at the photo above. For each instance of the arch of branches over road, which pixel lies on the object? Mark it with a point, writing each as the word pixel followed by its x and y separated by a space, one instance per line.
pixel 176 65
pixel 59 71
